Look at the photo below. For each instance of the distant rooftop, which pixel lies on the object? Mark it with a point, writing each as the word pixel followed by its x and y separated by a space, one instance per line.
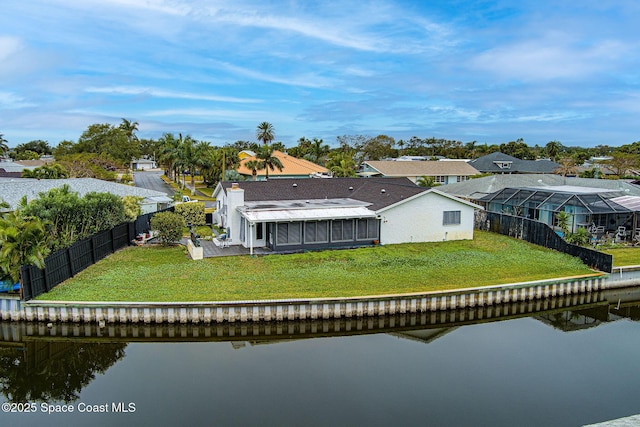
pixel 13 189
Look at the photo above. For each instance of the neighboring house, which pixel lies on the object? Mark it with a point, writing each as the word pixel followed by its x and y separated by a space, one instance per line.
pixel 11 169
pixel 475 189
pixel 292 167
pixel 302 214
pixel 595 209
pixel 13 190
pixel 143 164
pixel 501 163
pixel 441 172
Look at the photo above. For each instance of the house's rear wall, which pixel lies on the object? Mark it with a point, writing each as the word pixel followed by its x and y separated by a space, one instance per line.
pixel 421 220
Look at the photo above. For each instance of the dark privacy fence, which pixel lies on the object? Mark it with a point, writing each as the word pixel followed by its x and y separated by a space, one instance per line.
pixel 540 234
pixel 68 262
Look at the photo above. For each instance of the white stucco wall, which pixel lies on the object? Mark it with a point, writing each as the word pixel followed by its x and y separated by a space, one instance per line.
pixel 420 220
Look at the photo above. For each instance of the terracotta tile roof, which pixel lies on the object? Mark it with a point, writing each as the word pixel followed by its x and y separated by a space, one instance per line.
pixel 393 168
pixel 290 166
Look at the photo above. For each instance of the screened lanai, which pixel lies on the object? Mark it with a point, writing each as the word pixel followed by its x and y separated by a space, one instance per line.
pixel 590 208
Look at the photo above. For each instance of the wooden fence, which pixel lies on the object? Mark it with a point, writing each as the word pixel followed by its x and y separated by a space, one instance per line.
pixel 540 234
pixel 68 262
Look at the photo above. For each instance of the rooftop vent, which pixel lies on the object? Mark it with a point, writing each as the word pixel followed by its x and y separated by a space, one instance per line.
pixel 383 191
pixel 295 185
pixel 350 188
pixel 234 186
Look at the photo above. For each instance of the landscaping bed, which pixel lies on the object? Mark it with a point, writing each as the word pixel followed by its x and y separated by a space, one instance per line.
pixel 167 274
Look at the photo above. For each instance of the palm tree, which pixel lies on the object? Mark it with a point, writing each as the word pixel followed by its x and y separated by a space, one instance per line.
pixel 254 165
pixel 267 160
pixel 129 128
pixel 341 164
pixel 318 151
pixel 426 181
pixel 553 148
pixel 563 219
pixel 4 148
pixel 22 242
pixel 567 167
pixel 169 153
pixel 264 133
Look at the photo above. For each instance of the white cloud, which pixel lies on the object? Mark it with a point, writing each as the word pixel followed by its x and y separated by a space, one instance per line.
pixel 11 100
pixel 162 93
pixel 8 47
pixel 555 56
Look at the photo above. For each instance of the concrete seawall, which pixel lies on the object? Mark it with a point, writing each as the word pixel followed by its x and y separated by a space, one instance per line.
pixel 299 309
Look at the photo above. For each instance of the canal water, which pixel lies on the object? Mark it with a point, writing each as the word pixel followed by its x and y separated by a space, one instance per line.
pixel 567 362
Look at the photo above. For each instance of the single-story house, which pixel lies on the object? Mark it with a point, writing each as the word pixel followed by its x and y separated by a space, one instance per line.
pixel 143 164
pixel 292 167
pixel 501 163
pixel 442 172
pixel 595 209
pixel 13 190
pixel 304 214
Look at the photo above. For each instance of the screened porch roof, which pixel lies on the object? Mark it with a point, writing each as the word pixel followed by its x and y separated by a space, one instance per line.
pixel 305 210
pixel 595 201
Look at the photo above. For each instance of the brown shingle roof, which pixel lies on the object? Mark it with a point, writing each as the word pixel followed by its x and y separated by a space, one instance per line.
pixel 290 166
pixel 368 190
pixel 393 168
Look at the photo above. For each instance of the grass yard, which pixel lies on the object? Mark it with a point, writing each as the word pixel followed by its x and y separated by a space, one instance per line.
pixel 167 274
pixel 624 256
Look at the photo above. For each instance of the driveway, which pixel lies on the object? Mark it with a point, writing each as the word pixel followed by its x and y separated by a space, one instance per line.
pixel 151 180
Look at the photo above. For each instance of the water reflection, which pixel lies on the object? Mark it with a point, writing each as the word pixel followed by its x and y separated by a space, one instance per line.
pixel 55 364
pixel 53 371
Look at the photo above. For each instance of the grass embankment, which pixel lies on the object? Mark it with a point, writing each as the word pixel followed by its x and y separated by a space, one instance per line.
pixel 624 256
pixel 167 274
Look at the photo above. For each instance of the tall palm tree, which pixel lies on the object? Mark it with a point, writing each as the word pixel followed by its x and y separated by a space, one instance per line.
pixel 169 153
pixel 553 148
pixel 265 133
pixel 23 241
pixel 318 151
pixel 253 165
pixel 129 128
pixel 267 160
pixel 4 148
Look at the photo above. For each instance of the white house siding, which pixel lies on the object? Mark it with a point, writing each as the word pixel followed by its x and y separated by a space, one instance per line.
pixel 421 220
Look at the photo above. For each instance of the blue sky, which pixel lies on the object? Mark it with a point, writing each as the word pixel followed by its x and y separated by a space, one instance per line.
pixel 485 71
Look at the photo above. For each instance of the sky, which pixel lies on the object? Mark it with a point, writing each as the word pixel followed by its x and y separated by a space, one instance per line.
pixel 485 71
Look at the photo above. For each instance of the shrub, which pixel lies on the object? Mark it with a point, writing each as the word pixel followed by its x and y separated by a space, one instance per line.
pixel 193 213
pixel 169 226
pixel 132 207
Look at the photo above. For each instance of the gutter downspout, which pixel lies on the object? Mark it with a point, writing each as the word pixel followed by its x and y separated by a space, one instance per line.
pixel 251 227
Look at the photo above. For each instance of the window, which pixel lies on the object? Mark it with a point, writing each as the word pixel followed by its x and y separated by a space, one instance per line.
pixel 451 218
pixel 342 230
pixel 367 229
pixel 316 232
pixel 259 232
pixel 440 179
pixel 289 233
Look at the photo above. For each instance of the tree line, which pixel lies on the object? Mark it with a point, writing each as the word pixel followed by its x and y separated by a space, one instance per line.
pixel 104 148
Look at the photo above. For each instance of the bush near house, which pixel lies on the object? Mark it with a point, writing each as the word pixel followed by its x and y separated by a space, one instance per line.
pixel 169 226
pixel 192 213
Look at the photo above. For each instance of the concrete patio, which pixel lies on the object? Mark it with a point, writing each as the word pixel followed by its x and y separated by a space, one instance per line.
pixel 215 248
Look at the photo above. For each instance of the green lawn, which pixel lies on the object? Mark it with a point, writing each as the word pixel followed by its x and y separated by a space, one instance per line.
pixel 167 274
pixel 624 256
